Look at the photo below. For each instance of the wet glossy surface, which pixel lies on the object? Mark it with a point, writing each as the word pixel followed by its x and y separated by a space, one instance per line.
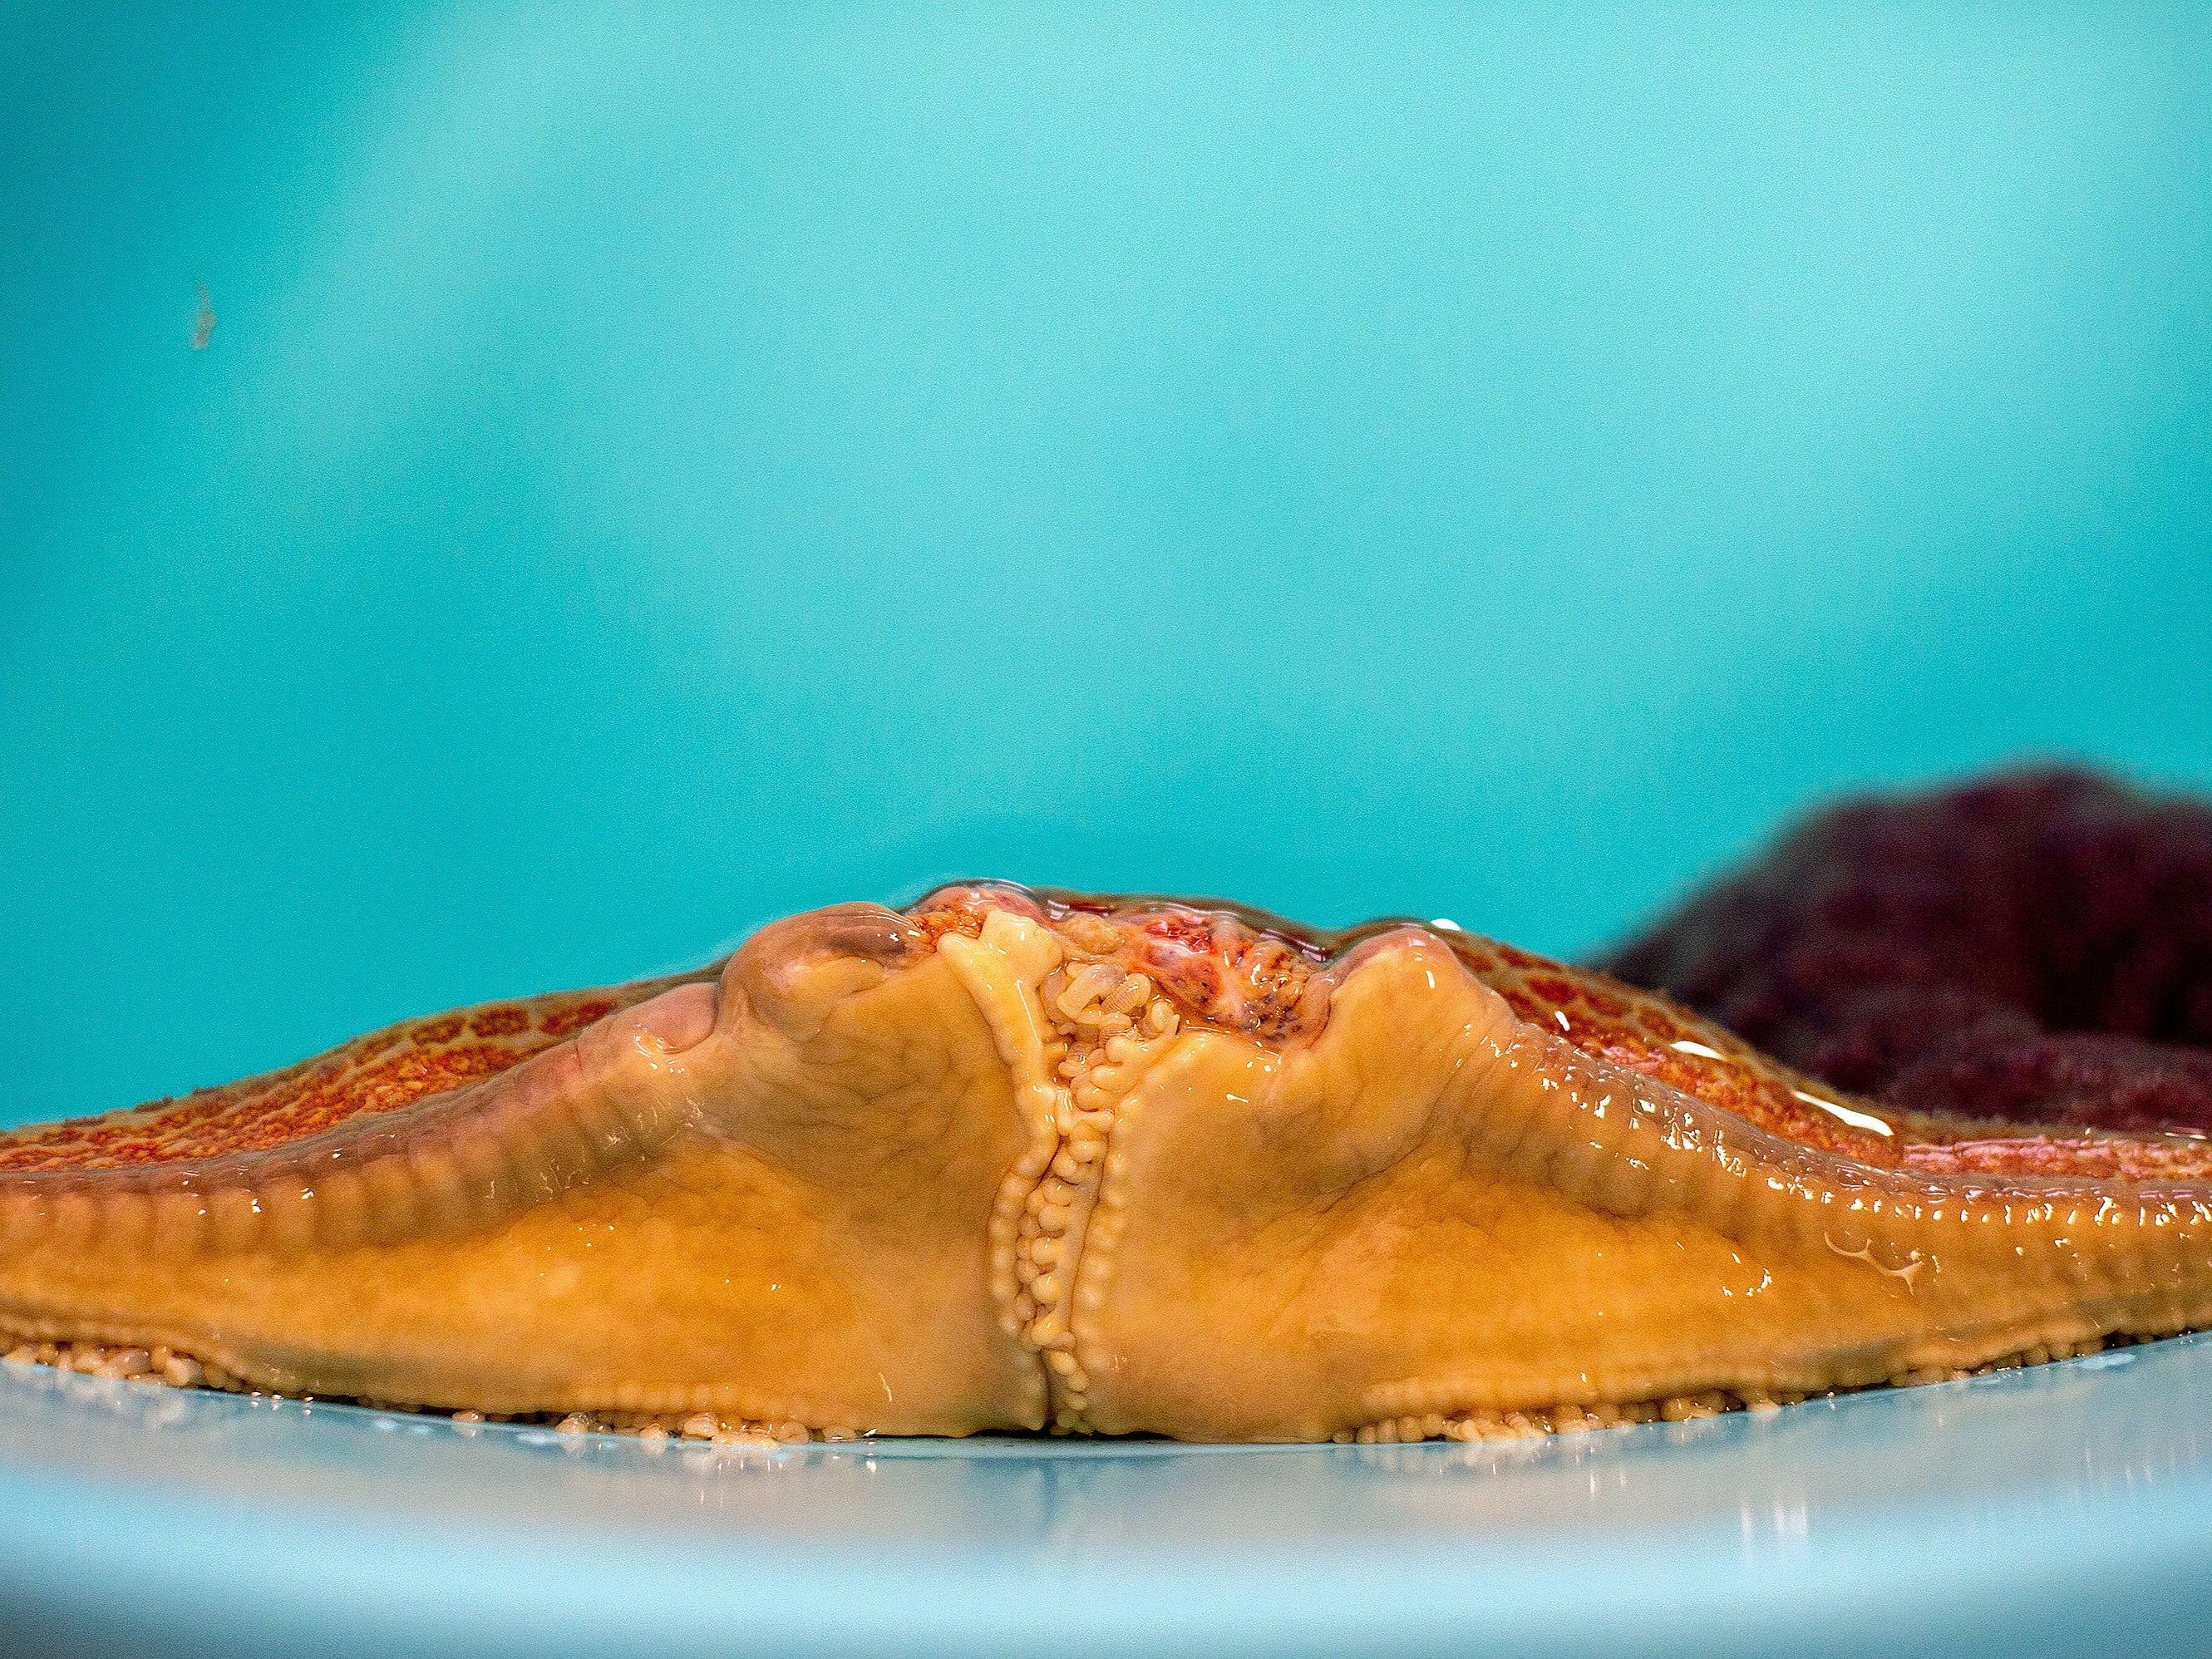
pixel 929 1174
pixel 2028 947
pixel 1629 429
pixel 2021 1513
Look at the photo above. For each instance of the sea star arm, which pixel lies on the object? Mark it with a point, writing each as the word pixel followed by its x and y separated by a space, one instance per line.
pixel 1442 1213
pixel 1020 1160
pixel 752 1196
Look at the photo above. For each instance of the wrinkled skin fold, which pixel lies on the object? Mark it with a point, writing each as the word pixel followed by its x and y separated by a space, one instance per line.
pixel 1015 1160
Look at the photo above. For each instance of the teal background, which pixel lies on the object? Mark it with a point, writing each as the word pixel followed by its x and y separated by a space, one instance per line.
pixel 654 471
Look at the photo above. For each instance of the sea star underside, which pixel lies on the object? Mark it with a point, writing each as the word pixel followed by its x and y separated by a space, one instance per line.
pixel 1035 1160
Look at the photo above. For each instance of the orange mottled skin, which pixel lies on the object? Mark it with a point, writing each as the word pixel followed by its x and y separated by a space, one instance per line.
pixel 1193 953
pixel 1196 948
pixel 381 1071
pixel 1015 1160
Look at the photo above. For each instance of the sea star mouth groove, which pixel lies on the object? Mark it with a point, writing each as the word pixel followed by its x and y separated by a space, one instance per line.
pixel 1042 1160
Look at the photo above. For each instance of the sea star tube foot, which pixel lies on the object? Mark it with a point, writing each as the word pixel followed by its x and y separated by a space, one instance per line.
pixel 1017 1160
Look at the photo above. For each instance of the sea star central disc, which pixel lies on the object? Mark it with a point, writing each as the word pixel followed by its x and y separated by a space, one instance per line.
pixel 1028 1160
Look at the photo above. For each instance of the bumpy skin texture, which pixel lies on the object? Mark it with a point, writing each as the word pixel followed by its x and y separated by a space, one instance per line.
pixel 1103 1165
pixel 2035 948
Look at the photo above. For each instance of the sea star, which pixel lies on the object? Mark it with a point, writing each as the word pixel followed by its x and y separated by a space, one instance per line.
pixel 1028 1160
pixel 2032 948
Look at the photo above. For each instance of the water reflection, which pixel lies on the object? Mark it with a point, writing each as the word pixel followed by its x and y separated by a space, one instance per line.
pixel 2052 1442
